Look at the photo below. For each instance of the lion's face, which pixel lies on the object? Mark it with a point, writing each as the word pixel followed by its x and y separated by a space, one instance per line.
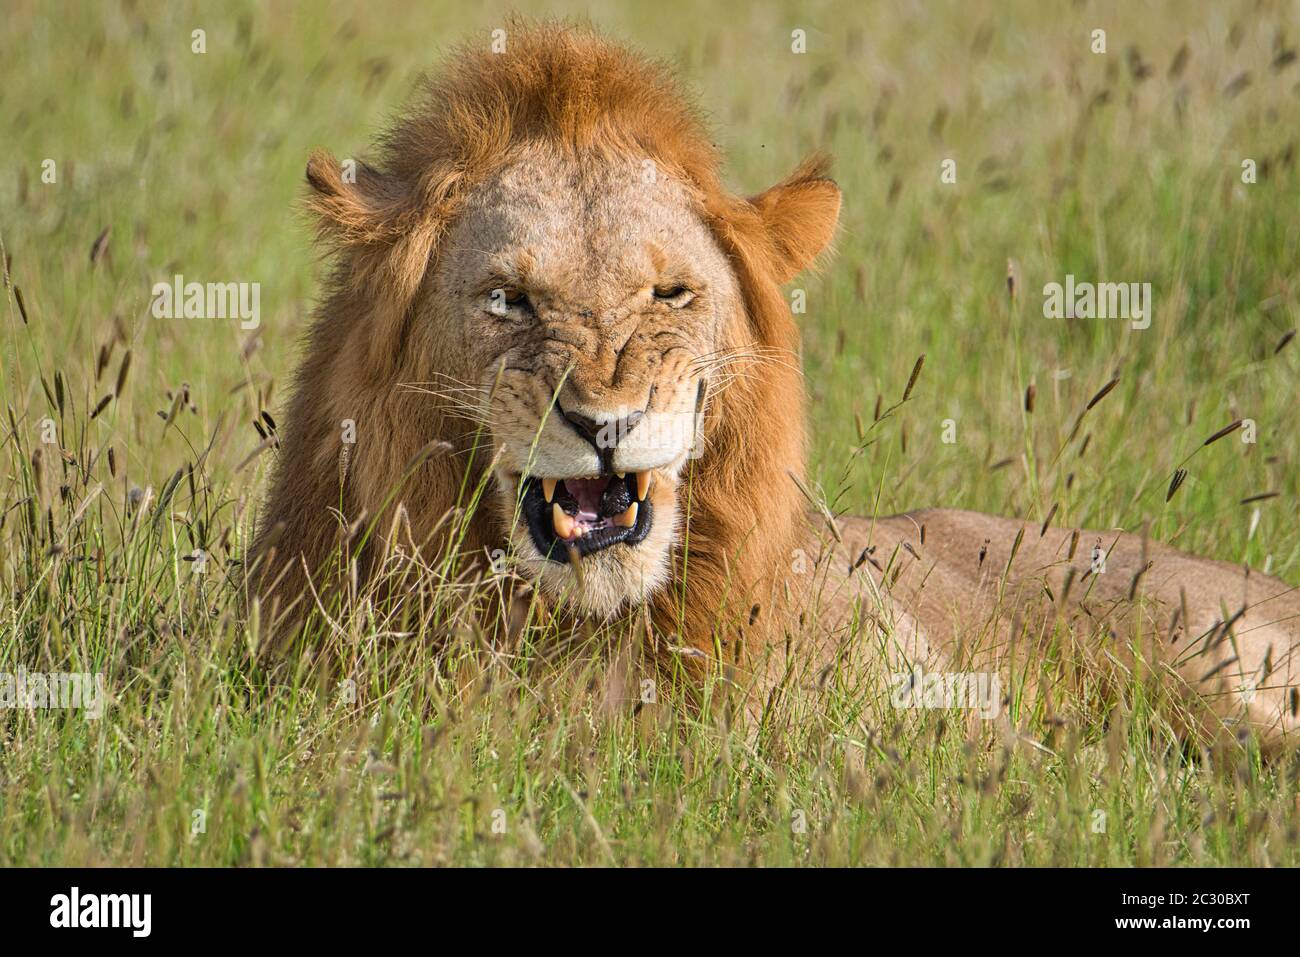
pixel 599 317
pixel 586 305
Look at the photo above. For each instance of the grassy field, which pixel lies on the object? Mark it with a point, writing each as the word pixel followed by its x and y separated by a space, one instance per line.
pixel 126 441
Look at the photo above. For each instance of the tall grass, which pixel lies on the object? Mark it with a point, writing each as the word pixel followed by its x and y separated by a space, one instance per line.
pixel 426 741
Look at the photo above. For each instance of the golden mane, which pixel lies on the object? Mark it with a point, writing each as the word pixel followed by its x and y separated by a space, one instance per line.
pixel 578 92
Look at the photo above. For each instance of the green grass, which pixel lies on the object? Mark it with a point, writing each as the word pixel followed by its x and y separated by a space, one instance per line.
pixel 1067 162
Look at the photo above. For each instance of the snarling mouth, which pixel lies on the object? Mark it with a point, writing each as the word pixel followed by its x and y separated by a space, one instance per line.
pixel 586 515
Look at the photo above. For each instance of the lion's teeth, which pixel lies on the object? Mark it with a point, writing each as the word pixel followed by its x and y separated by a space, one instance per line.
pixel 621 475
pixel 548 489
pixel 642 485
pixel 561 521
pixel 628 518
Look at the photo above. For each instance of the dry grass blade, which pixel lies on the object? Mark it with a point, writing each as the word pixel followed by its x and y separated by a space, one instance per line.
pixel 916 374
pixel 1237 84
pixel 1102 393
pixel 1179 62
pixel 1261 497
pixel 100 245
pixel 1175 483
pixel 261 447
pixel 1047 522
pixel 122 371
pixel 819 505
pixel 22 306
pixel 1225 431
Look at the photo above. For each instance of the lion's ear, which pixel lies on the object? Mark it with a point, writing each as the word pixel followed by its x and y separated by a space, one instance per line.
pixel 353 203
pixel 800 214
pixel 386 235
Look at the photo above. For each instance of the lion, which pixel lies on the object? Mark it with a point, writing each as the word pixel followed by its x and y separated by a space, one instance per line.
pixel 543 280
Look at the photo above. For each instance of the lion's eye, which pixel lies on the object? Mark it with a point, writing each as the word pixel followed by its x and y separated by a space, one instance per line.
pixel 675 296
pixel 501 301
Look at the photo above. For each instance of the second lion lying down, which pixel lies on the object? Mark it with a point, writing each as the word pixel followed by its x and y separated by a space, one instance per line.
pixel 545 247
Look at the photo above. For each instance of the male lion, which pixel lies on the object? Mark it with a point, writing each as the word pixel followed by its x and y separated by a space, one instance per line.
pixel 546 251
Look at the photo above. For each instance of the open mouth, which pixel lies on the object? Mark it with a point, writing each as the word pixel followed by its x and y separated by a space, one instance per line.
pixel 586 515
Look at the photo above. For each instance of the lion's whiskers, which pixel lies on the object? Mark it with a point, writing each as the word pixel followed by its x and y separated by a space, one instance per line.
pixel 724 367
pixel 461 401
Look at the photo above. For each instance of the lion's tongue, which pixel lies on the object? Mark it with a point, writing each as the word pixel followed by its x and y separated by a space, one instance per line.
pixel 587 493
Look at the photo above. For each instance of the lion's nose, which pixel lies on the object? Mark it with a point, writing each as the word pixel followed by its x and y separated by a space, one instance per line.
pixel 604 434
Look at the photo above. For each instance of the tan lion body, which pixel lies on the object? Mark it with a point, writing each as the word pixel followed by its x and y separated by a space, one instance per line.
pixel 1211 631
pixel 545 242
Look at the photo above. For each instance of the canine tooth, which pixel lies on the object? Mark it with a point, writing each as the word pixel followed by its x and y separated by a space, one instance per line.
pixel 627 519
pixel 642 485
pixel 561 521
pixel 548 488
pixel 621 475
